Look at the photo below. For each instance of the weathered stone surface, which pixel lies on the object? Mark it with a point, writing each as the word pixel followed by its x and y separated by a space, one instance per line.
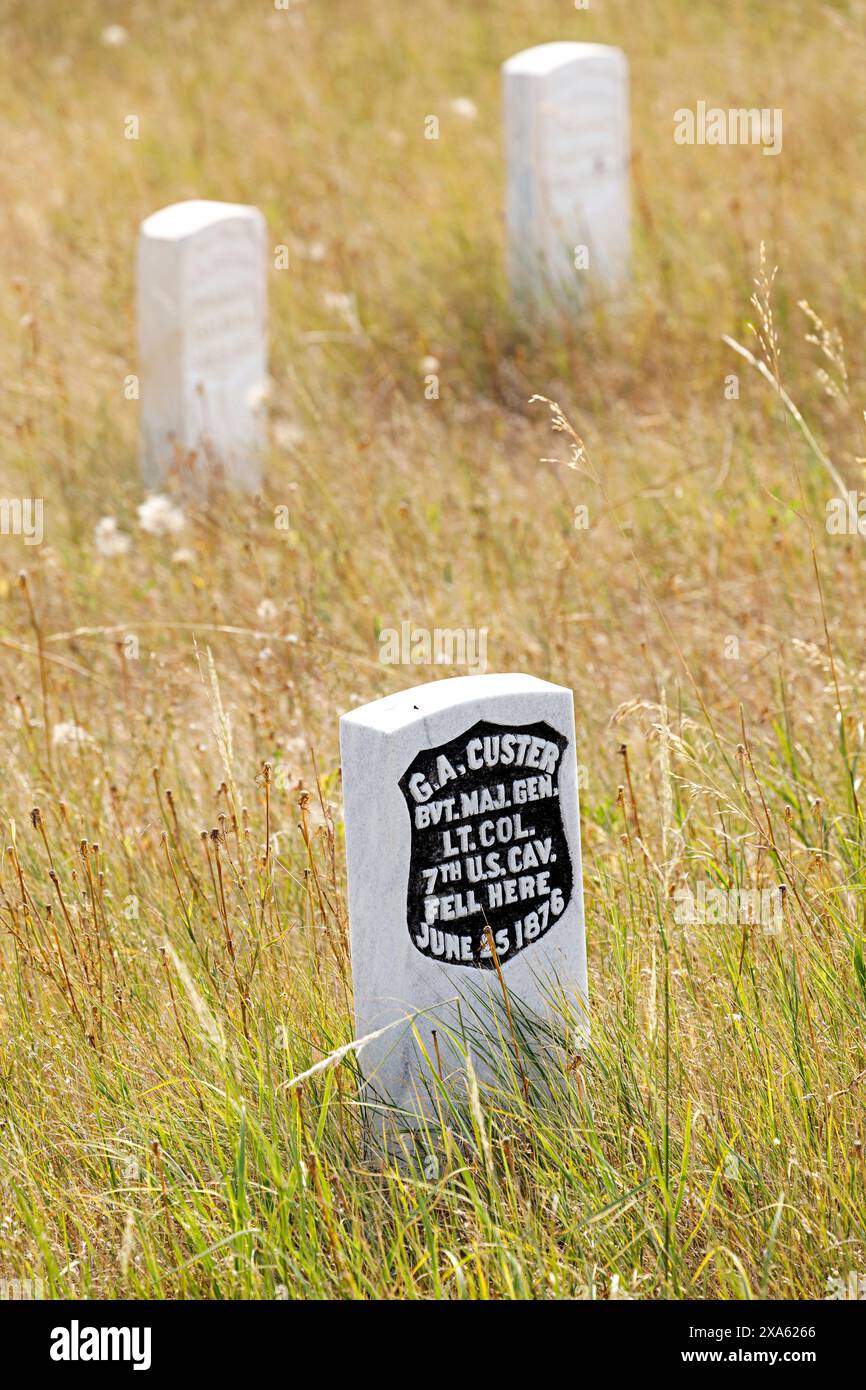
pixel 567 149
pixel 202 341
pixel 461 816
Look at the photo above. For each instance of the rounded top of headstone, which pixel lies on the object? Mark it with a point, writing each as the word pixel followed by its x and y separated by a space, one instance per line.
pixel 547 57
pixel 419 702
pixel 194 215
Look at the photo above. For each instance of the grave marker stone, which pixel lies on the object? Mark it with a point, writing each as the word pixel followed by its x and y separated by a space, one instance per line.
pixel 567 152
pixel 462 825
pixel 201 280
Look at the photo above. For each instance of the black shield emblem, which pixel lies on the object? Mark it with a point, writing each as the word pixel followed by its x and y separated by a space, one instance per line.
pixel 490 869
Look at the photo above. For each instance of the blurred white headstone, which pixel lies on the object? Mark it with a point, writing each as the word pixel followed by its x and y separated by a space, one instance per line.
pixel 202 307
pixel 462 825
pixel 567 149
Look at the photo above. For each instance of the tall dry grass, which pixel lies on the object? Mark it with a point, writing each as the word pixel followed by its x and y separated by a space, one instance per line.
pixel 172 923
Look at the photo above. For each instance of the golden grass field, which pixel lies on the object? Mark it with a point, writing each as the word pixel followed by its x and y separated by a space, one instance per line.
pixel 173 931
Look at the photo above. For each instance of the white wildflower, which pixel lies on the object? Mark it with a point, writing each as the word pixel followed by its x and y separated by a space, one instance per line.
pixel 257 395
pixel 267 611
pixel 113 36
pixel 159 516
pixel 314 251
pixel 464 107
pixel 69 735
pixel 288 434
pixel 109 539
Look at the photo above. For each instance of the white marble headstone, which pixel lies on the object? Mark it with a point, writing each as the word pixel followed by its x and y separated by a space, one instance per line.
pixel 567 149
pixel 202 306
pixel 461 815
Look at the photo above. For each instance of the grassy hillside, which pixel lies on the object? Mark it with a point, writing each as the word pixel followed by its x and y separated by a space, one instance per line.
pixel 173 933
